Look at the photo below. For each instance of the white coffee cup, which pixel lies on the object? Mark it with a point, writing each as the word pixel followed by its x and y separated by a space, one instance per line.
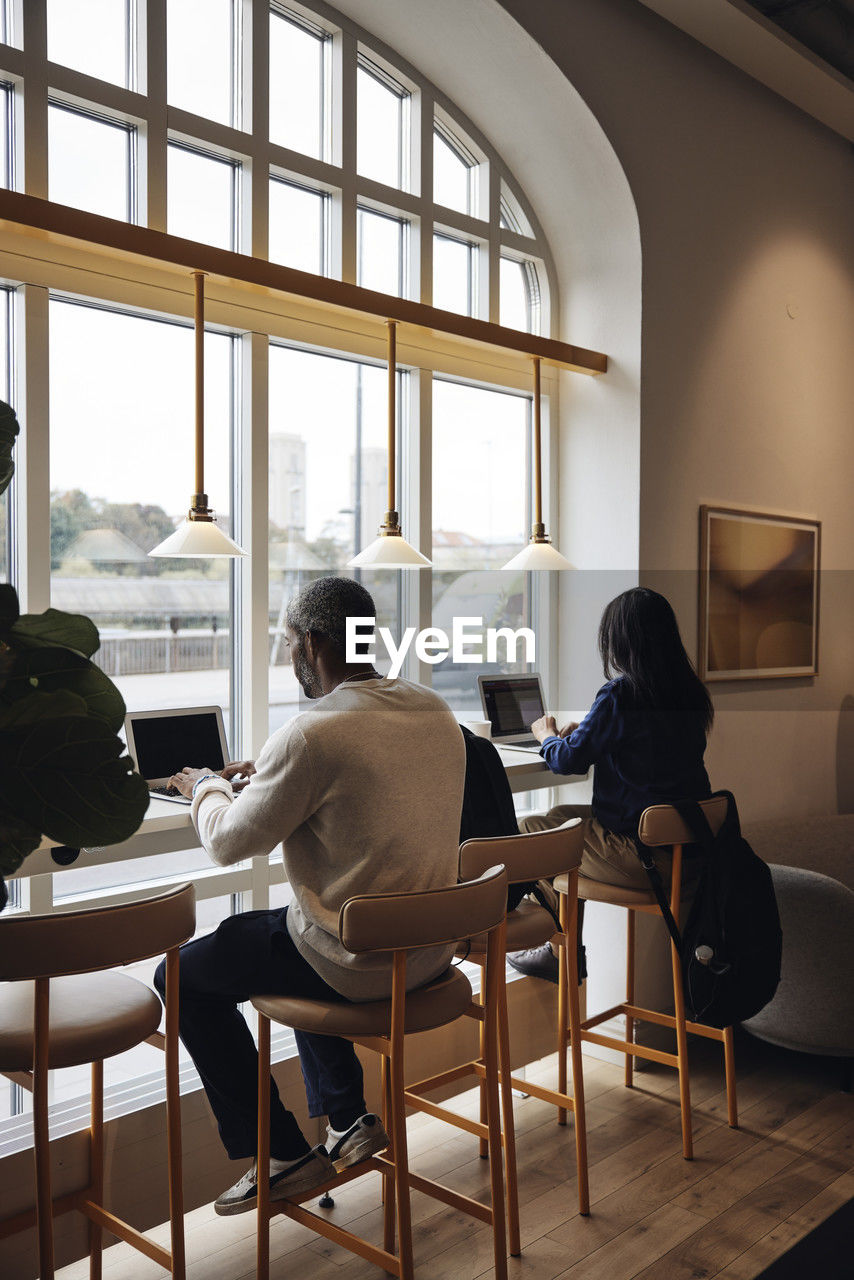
pixel 483 728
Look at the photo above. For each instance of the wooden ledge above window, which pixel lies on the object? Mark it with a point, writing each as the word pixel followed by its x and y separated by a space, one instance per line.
pixel 55 226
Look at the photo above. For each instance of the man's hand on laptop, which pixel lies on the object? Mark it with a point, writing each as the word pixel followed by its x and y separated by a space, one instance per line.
pixel 545 727
pixel 238 773
pixel 187 779
pixel 568 730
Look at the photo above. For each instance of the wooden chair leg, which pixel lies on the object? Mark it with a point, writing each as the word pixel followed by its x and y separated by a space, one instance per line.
pixel 562 1034
pixel 398 1120
pixel 173 1120
pixel 729 1068
pixel 679 1012
pixel 513 1236
pixel 41 1132
pixel 630 993
pixel 483 1146
pixel 495 957
pixel 569 920
pixel 262 1269
pixel 96 1167
pixel 387 1180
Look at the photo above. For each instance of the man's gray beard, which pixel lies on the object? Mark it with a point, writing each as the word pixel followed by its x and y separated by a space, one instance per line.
pixel 308 681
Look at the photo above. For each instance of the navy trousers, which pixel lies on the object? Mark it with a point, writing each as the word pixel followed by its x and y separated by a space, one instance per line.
pixel 252 954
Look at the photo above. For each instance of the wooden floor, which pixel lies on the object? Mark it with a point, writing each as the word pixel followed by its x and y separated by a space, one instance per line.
pixel 747 1196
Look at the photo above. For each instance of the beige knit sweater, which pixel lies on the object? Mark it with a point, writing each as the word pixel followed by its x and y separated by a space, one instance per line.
pixel 364 792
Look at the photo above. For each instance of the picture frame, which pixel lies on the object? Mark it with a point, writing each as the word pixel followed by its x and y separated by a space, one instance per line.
pixel 759 595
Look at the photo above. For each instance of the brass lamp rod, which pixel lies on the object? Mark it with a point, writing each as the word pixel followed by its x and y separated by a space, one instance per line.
pixel 199 326
pixel 392 412
pixel 538 480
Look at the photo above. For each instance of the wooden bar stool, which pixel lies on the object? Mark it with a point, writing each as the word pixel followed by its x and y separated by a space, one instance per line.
pixel 60 1009
pixel 538 855
pixel 660 826
pixel 396 922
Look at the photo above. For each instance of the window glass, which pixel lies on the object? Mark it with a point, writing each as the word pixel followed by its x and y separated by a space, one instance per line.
pixel 90 36
pixel 121 475
pixel 381 121
pixel 296 87
pixel 89 162
pixel 328 478
pixel 513 216
pixel 202 196
pixel 382 243
pixel 518 303
pixel 453 274
pixel 480 518
pixel 200 57
pixel 297 226
pixel 6 101
pixel 451 176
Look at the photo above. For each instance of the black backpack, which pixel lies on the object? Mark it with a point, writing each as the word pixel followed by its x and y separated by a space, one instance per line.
pixel 731 944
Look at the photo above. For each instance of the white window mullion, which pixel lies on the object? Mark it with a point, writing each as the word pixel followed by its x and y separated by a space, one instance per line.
pixel 31 397
pixel 152 148
pixel 252 526
pixel 34 158
pixel 489 300
pixel 344 153
pixel 256 97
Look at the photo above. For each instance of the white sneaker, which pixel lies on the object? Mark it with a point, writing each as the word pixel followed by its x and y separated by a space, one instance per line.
pixel 364 1138
pixel 291 1179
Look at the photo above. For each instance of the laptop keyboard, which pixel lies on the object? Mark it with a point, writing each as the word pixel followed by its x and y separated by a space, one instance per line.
pixel 165 791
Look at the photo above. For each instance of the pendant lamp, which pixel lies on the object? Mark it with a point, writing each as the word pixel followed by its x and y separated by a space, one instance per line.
pixel 390 550
pixel 539 553
pixel 199 535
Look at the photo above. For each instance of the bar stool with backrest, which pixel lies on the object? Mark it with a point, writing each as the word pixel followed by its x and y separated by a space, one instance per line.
pixel 59 1008
pixel 537 855
pixel 396 923
pixel 660 826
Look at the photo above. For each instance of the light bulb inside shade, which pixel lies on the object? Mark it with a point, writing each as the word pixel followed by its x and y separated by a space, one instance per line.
pixel 198 539
pixel 389 551
pixel 538 555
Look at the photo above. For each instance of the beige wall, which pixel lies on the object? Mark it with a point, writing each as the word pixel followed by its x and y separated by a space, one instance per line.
pixel 747 390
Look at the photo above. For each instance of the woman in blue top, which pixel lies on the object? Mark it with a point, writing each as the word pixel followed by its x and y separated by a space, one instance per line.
pixel 645 737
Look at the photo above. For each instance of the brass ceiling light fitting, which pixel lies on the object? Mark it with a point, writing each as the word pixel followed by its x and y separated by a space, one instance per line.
pixel 390 550
pixel 539 553
pixel 199 535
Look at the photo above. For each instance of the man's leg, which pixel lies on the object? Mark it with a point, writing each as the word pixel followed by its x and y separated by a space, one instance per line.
pixel 334 1083
pixel 249 954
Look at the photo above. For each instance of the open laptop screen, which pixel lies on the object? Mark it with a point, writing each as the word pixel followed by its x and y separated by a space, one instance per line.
pixel 163 743
pixel 512 704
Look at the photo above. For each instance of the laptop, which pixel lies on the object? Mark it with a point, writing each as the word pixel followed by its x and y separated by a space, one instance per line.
pixel 162 743
pixel 511 704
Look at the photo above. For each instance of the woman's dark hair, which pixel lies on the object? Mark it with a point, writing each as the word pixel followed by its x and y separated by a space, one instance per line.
pixel 639 640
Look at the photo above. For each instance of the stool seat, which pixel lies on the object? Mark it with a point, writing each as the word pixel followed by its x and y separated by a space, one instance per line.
pixel 528 925
pixel 438 1002
pixel 92 1016
pixel 615 895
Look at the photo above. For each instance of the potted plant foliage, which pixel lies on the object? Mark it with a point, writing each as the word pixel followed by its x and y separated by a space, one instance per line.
pixel 65 772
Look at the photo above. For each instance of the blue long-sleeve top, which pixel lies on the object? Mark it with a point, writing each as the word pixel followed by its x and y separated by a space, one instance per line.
pixel 641 756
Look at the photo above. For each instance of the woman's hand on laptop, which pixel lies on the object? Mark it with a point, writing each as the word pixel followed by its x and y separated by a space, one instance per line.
pixel 238 773
pixel 545 727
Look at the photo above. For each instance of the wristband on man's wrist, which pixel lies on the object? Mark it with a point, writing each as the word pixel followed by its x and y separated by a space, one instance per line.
pixel 204 778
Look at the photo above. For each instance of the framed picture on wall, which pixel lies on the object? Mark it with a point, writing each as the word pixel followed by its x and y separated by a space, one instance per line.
pixel 759 579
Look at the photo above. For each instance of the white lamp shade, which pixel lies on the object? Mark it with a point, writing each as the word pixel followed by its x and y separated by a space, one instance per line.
pixel 538 555
pixel 389 551
pixel 198 538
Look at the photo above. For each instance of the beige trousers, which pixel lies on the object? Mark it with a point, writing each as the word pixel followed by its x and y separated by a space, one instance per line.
pixel 607 857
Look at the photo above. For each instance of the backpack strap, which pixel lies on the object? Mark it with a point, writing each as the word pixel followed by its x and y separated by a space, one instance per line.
pixel 657 884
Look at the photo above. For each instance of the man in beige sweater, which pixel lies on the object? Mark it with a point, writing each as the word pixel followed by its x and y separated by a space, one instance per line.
pixel 364 792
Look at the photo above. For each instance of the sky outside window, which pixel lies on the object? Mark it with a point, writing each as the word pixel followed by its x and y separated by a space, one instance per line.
pixel 200 67
pixel 91 36
pixel 451 176
pixel 380 121
pixel 88 163
pixel 453 267
pixel 201 202
pixel 297 226
pixel 296 87
pixel 381 252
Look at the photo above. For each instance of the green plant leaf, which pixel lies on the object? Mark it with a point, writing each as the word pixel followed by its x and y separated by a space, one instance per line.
pixel 17 839
pixel 9 608
pixel 55 628
pixel 68 779
pixel 51 670
pixel 37 706
pixel 9 429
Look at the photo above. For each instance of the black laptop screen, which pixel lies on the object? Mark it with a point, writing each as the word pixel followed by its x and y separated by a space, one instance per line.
pixel 512 705
pixel 166 744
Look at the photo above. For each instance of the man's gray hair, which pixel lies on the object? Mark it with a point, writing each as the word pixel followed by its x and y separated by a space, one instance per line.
pixel 324 606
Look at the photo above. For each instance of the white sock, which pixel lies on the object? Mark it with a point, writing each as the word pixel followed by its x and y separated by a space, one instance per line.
pixel 279 1166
